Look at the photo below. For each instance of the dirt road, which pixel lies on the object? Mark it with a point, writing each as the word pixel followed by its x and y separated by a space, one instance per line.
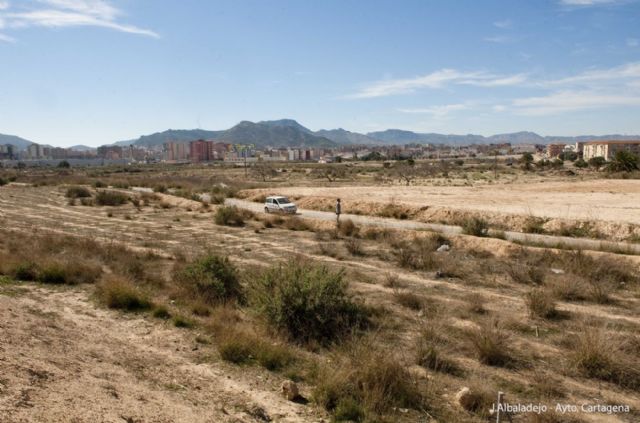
pixel 534 239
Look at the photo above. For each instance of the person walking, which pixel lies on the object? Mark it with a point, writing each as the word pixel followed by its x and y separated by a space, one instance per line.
pixel 338 211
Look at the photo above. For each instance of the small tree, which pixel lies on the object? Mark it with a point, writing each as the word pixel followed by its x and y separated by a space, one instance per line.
pixel 406 171
pixel 624 161
pixel 581 164
pixel 526 160
pixel 64 164
pixel 597 162
pixel 263 170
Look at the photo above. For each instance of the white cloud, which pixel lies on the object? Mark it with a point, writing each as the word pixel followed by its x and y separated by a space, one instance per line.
pixel 613 75
pixel 7 39
pixel 70 13
pixel 4 5
pixel 571 101
pixel 437 79
pixel 507 23
pixel 437 111
pixel 498 39
pixel 587 2
pixel 633 42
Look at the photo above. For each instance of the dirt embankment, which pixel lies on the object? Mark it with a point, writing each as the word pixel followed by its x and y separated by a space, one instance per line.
pixel 64 360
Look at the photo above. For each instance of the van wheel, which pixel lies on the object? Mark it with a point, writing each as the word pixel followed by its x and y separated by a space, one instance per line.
pixel 266 210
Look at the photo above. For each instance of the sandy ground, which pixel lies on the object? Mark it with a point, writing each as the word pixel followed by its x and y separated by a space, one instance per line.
pixel 611 200
pixel 64 360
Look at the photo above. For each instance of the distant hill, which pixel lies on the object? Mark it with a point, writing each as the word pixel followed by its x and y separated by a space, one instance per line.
pixel 19 143
pixel 285 123
pixel 290 133
pixel 176 135
pixel 398 136
pixel 342 136
pixel 276 133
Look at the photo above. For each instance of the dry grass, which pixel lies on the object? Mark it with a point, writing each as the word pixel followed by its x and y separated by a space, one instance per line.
pixel 596 354
pixel 364 383
pixel 541 304
pixel 490 343
pixel 119 293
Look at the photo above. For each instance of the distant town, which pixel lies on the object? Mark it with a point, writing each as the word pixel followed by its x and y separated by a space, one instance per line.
pixel 202 151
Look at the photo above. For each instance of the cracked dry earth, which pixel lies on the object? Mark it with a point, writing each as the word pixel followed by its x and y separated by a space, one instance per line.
pixel 64 360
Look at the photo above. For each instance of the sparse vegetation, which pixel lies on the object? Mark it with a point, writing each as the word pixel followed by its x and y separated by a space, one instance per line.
pixel 211 279
pixel 230 216
pixel 541 304
pixel 110 198
pixel 365 383
pixel 307 302
pixel 490 343
pixel 77 192
pixel 119 293
pixel 475 226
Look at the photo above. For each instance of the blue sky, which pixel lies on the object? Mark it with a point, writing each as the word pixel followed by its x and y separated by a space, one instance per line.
pixel 97 71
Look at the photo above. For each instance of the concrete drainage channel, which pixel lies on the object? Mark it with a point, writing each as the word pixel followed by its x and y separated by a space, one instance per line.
pixel 552 241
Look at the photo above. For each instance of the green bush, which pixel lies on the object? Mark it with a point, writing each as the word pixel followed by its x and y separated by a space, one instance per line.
pixel 211 278
pixel 111 198
pixel 161 312
pixel 53 273
pixel 307 301
pixel 25 271
pixel 580 164
pixel 229 216
pixel 77 192
pixel 3 182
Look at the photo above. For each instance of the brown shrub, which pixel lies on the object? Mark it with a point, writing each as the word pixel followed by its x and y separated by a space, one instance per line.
pixel 541 304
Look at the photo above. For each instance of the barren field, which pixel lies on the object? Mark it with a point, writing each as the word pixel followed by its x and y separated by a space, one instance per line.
pixel 65 357
pixel 613 204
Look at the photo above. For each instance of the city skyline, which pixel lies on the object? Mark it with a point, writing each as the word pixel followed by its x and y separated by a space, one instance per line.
pixel 95 72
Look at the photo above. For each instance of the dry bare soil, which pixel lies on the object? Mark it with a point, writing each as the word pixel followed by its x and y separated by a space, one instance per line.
pixel 64 357
pixel 612 204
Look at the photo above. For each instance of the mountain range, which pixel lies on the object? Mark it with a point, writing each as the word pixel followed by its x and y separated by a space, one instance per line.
pixel 290 133
pixel 19 143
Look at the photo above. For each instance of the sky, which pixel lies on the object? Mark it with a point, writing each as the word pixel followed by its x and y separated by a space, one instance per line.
pixel 98 71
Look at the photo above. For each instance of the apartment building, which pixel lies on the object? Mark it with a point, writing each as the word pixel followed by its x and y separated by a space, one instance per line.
pixel 608 149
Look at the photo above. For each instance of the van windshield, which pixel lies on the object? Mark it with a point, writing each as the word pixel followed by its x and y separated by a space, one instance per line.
pixel 283 200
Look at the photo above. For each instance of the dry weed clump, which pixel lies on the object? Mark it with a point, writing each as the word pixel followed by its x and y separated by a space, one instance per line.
pixel 110 198
pixel 231 216
pixel 596 354
pixel 348 228
pixel 409 300
pixel 120 293
pixel 307 302
pixel 74 192
pixel 491 345
pixel 366 383
pixel 431 355
pixel 475 226
pixel 526 274
pixel 354 246
pixel 541 304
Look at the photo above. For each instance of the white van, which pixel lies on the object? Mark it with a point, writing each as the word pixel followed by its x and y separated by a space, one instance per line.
pixel 279 204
